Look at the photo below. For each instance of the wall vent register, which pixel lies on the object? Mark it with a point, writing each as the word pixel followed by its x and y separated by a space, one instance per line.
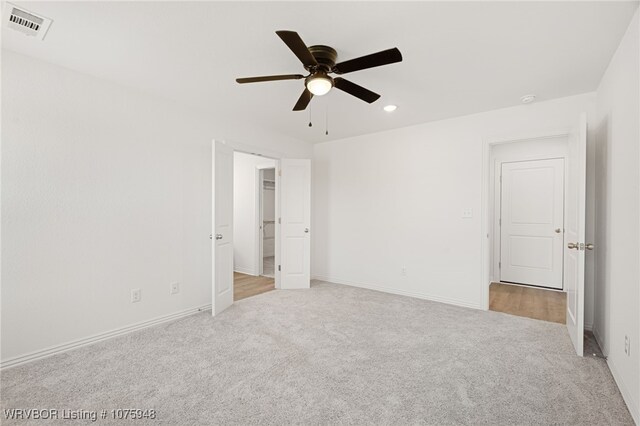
pixel 26 22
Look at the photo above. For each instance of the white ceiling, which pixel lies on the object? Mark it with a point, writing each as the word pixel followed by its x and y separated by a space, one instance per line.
pixel 459 58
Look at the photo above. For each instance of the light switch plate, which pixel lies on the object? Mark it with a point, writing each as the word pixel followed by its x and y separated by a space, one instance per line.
pixel 467 213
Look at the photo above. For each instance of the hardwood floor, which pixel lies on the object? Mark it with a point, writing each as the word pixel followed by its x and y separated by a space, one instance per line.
pixel 546 305
pixel 247 285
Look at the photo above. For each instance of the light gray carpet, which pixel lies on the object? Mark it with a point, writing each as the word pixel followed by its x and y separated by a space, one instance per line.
pixel 331 355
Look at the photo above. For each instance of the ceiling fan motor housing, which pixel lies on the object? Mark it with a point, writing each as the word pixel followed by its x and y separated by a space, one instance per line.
pixel 325 56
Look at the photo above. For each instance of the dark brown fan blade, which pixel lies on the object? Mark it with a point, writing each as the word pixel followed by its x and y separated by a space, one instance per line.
pixel 297 46
pixel 269 78
pixel 385 57
pixel 355 90
pixel 303 101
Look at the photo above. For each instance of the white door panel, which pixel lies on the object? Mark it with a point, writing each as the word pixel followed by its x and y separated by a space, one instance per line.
pixel 295 214
pixel 532 216
pixel 575 234
pixel 222 237
pixel 527 250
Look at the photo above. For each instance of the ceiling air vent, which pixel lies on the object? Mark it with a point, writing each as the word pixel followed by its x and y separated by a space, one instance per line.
pixel 25 22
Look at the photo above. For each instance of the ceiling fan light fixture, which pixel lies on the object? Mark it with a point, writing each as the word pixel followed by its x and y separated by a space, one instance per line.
pixel 319 84
pixel 390 108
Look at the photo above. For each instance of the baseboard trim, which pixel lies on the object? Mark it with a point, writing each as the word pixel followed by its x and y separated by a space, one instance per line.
pixel 624 390
pixel 423 296
pixel 246 271
pixel 65 347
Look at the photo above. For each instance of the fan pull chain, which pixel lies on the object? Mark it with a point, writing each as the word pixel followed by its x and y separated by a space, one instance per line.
pixel 310 125
pixel 326 122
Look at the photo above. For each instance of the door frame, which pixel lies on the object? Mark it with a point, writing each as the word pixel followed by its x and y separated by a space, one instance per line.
pixel 260 152
pixel 259 216
pixel 488 225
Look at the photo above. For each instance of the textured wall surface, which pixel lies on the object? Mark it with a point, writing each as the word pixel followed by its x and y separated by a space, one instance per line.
pixel 394 200
pixel 104 189
pixel 618 227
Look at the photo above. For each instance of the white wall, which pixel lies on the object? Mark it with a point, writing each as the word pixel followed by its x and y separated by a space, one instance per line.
pixel 104 189
pixel 618 225
pixel 394 200
pixel 245 211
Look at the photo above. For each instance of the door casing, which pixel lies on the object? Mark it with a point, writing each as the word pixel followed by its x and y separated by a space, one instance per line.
pixel 490 186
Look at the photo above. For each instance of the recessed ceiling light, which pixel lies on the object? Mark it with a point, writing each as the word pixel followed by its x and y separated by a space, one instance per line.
pixel 527 99
pixel 390 108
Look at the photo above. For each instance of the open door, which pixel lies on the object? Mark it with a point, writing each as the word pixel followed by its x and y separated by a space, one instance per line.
pixel 295 215
pixel 575 234
pixel 222 211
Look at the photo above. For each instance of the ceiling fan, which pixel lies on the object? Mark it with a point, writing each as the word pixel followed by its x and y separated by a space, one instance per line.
pixel 320 61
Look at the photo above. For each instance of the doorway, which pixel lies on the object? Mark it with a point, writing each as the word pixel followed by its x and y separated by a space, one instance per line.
pixel 530 199
pixel 569 145
pixel 254 202
pixel 292 235
pixel 528 215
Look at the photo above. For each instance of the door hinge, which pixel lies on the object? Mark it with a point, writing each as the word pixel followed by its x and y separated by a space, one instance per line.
pixel 279 220
pixel 279 269
pixel 280 172
pixel 499 265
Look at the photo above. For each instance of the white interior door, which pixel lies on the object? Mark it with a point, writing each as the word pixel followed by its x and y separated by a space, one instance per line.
pixel 222 210
pixel 532 222
pixel 295 214
pixel 575 235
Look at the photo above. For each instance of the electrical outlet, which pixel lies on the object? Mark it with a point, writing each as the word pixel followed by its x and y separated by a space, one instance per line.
pixel 174 288
pixel 403 271
pixel 136 295
pixel 627 345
